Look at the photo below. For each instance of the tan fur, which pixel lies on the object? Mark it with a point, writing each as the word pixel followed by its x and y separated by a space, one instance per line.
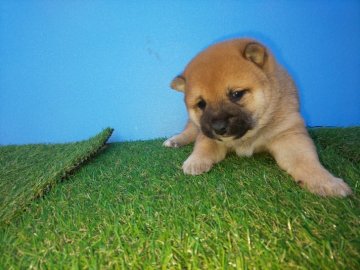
pixel 272 103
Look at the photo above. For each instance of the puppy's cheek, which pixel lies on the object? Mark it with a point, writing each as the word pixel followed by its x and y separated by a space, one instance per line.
pixel 195 165
pixel 194 117
pixel 260 102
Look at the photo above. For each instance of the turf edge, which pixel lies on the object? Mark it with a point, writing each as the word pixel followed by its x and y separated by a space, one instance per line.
pixel 97 144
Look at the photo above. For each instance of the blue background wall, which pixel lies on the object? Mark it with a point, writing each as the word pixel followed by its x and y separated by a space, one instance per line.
pixel 71 68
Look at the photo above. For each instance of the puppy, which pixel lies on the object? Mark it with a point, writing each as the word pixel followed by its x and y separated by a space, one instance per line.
pixel 240 99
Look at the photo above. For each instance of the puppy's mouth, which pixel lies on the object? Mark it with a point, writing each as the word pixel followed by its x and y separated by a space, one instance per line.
pixel 224 138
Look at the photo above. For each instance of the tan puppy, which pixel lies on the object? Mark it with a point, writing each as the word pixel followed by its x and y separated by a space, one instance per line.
pixel 240 99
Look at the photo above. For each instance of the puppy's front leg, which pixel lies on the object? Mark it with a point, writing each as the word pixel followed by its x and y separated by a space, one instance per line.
pixel 206 153
pixel 296 154
pixel 188 135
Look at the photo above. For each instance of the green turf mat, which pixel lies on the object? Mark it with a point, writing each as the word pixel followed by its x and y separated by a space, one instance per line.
pixel 344 141
pixel 133 208
pixel 27 171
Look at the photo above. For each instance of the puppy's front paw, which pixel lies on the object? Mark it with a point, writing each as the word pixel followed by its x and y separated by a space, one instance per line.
pixel 172 142
pixel 331 186
pixel 195 165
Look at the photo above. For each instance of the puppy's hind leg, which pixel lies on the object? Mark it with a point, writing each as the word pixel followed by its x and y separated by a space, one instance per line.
pixel 188 135
pixel 296 154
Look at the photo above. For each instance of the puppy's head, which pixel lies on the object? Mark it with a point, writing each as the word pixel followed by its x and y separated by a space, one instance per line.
pixel 227 88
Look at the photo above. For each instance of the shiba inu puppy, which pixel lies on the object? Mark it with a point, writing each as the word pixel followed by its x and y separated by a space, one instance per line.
pixel 240 99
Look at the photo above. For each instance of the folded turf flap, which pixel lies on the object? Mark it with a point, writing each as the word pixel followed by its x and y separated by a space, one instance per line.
pixel 28 171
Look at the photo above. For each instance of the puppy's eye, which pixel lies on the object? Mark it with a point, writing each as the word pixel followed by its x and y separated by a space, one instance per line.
pixel 201 104
pixel 237 95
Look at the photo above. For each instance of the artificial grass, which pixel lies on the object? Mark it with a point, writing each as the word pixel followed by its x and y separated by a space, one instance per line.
pixel 28 171
pixel 133 208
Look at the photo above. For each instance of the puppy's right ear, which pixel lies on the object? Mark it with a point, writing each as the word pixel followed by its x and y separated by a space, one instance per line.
pixel 178 83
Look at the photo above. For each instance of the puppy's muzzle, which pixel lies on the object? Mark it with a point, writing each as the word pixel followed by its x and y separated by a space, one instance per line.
pixel 219 126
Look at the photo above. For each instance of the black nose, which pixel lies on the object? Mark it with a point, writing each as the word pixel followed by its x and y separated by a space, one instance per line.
pixel 219 126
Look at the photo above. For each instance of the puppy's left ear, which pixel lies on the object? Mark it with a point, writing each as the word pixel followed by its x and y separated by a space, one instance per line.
pixel 256 53
pixel 178 83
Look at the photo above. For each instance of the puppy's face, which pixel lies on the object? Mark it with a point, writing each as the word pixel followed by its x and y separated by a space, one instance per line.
pixel 226 88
